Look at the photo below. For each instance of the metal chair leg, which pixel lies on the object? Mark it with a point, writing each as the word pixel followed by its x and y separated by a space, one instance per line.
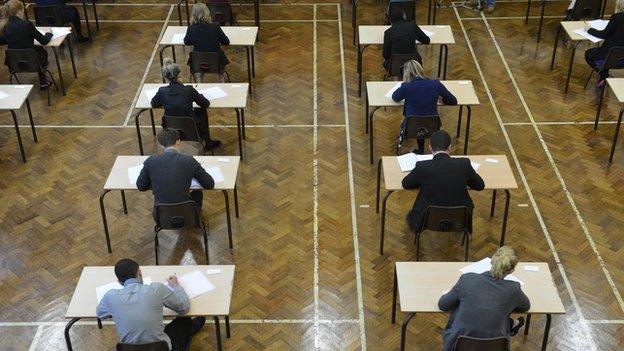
pixel 588 79
pixel 156 244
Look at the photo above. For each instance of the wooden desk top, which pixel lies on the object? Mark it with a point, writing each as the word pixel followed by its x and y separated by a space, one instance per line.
pixel 463 90
pixel 495 175
pixel 17 94
pixel 55 42
pixel 214 303
pixel 571 26
pixel 421 284
pixel 617 85
pixel 118 178
pixel 237 94
pixel 239 36
pixel 373 35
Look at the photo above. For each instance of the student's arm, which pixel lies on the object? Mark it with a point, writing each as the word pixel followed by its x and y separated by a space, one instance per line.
pixel 523 302
pixel 144 182
pixel 187 37
pixel 102 310
pixel 173 297
pixel 387 45
pixel 3 40
pixel 413 179
pixel 199 99
pixel 223 39
pixel 43 39
pixel 203 178
pixel 421 36
pixel 157 100
pixel 399 94
pixel 447 97
pixel 475 181
pixel 615 21
pixel 449 301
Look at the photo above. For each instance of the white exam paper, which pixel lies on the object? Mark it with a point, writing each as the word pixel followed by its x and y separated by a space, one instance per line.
pixel 133 173
pixel 408 161
pixel 215 173
pixel 598 24
pixel 150 93
pixel 195 283
pixel 485 265
pixel 429 34
pixel 178 38
pixel 391 91
pixel 475 165
pixel 214 93
pixel 582 32
pixel 58 32
pixel 3 95
pixel 100 291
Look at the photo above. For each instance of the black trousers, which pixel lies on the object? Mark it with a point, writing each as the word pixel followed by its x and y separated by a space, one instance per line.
pixel 42 54
pixel 198 197
pixel 201 120
pixel 591 56
pixel 71 14
pixel 179 331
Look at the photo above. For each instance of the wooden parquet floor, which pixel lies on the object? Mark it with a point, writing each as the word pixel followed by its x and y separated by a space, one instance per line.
pixel 308 272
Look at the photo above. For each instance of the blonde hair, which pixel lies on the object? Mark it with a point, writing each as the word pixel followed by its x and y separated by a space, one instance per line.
pixel 8 9
pixel 619 6
pixel 200 14
pixel 412 70
pixel 170 70
pixel 503 261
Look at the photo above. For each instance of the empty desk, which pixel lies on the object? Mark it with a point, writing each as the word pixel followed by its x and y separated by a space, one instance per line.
pixel 12 98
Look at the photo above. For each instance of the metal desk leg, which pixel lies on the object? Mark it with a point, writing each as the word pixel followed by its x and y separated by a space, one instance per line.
pixel 599 107
pixel 32 122
pixel 541 21
pixel 546 331
pixel 440 61
pixel 445 60
pixel 138 129
pixel 429 13
pixel 528 10
pixel 493 203
pixel 19 137
pixel 360 56
pixel 179 12
pixel 248 68
pixel 383 221
pixel 67 338
pixel 404 329
pixel 257 13
pixel 188 15
pixel 86 18
pixel 227 326
pixel 527 324
pixel 71 57
pixel 615 135
pixel 467 136
pixel 366 113
pixel 354 20
pixel 459 120
pixel 240 134
pixel 218 332
pixel 253 63
pixel 505 216
pixel 435 7
pixel 97 20
pixel 104 221
pixel 570 66
pixel 378 185
pixel 152 120
pixel 227 216
pixel 395 287
pixel 99 323
pixel 370 133
pixel 242 112
pixel 58 66
pixel 236 201
pixel 123 202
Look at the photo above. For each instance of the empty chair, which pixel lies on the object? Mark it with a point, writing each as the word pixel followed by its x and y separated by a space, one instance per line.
pixel 207 63
pixel 153 346
pixel 221 12
pixel 26 61
pixel 469 343
pixel 49 16
pixel 446 219
pixel 179 216
pixel 397 61
pixel 417 127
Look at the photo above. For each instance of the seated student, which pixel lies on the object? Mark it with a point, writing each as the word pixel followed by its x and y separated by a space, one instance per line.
pixel 204 35
pixel 137 309
pixel 18 33
pixel 421 97
pixel 443 181
pixel 69 12
pixel 480 304
pixel 613 35
pixel 401 37
pixel 169 174
pixel 178 99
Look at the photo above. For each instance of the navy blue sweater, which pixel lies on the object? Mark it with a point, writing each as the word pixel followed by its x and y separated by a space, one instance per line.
pixel 421 97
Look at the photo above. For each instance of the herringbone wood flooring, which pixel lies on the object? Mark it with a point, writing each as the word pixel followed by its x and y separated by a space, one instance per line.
pixel 51 223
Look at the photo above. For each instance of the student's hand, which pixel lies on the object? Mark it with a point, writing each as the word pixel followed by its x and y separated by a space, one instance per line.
pixel 173 281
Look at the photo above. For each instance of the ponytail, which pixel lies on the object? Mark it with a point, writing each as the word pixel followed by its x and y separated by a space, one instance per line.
pixel 9 8
pixel 503 261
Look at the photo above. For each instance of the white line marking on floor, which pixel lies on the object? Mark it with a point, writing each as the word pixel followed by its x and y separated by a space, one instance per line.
pixel 315 182
pixel 604 321
pixel 508 18
pixel 557 123
pixel 211 126
pixel 527 188
pixel 354 223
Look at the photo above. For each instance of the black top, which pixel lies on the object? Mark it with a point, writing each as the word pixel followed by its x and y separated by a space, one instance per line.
pixel 178 99
pixel 169 175
pixel 401 38
pixel 207 37
pixel 443 181
pixel 613 35
pixel 19 34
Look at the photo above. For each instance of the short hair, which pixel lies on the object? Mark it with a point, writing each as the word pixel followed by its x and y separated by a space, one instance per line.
pixel 504 260
pixel 396 16
pixel 126 269
pixel 440 141
pixel 168 137
pixel 200 14
pixel 170 70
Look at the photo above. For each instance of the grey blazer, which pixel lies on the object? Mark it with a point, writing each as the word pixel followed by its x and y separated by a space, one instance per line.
pixel 480 306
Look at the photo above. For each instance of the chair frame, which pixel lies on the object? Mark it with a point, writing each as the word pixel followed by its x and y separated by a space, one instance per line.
pixel 223 74
pixel 459 339
pixel 465 233
pixel 13 74
pixel 420 122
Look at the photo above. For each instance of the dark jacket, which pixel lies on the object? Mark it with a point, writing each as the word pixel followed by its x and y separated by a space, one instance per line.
pixel 480 306
pixel 20 34
pixel 69 12
pixel 443 181
pixel 421 97
pixel 401 38
pixel 613 35
pixel 207 37
pixel 177 99
pixel 169 176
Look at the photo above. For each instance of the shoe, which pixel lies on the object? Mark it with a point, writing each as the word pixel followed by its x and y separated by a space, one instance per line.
pixel 212 144
pixel 198 323
pixel 490 8
pixel 516 328
pixel 45 85
pixel 82 39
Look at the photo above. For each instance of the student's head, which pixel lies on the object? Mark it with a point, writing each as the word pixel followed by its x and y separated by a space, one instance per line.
pixel 619 6
pixel 439 141
pixel 200 14
pixel 169 138
pixel 396 16
pixel 10 8
pixel 127 269
pixel 170 70
pixel 412 70
pixel 504 262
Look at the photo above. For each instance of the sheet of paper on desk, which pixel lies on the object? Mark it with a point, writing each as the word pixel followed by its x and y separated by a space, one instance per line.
pixel 100 291
pixel 485 265
pixel 3 95
pixel 429 34
pixel 394 88
pixel 195 283
pixel 215 172
pixel 582 32
pixel 214 93
pixel 150 93
pixel 133 173
pixel 178 38
pixel 58 32
pixel 408 161
pixel 598 24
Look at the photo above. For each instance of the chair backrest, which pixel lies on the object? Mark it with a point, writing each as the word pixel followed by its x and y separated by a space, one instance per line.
pixel 614 59
pixel 468 343
pixel 408 7
pixel 185 126
pixel 421 127
pixel 398 60
pixel 49 16
pixel 586 9
pixel 153 346
pixel 446 219
pixel 205 62
pixel 23 61
pixel 221 12
pixel 180 215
